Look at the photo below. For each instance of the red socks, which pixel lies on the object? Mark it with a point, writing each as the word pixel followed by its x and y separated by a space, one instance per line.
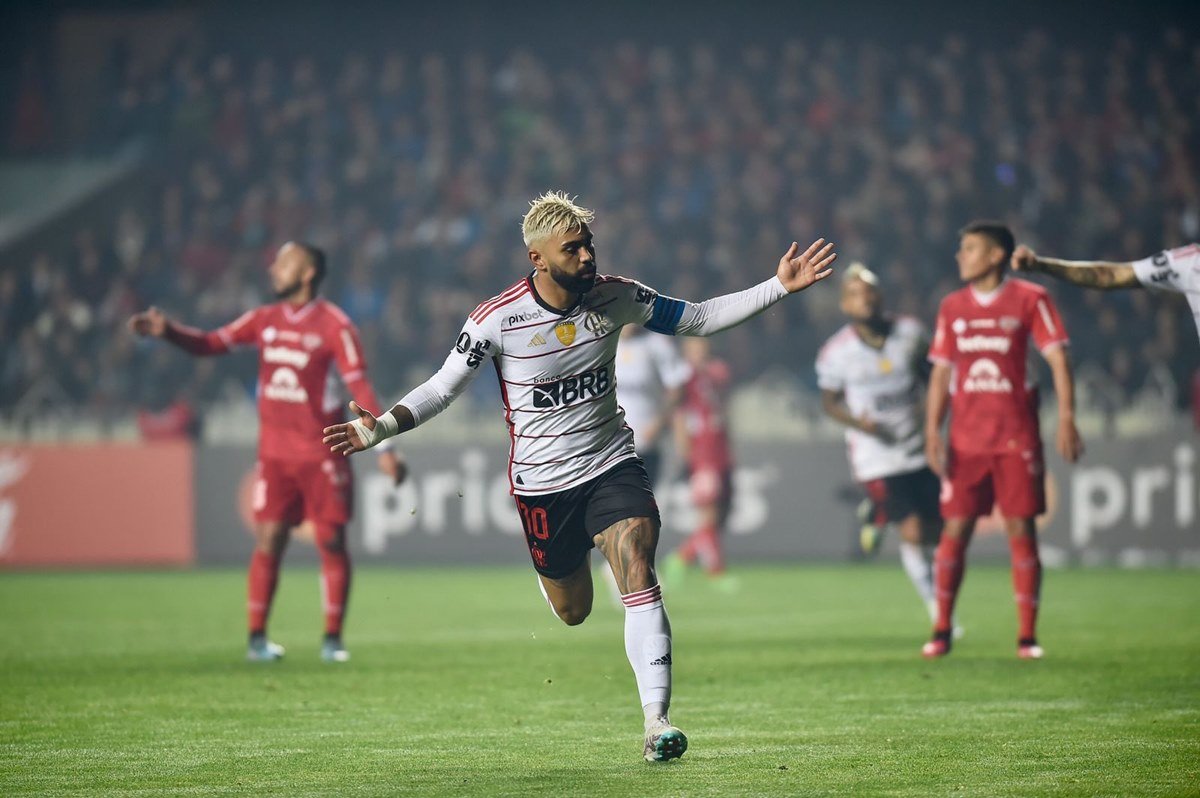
pixel 705 545
pixel 949 562
pixel 1027 582
pixel 335 585
pixel 335 577
pixel 260 588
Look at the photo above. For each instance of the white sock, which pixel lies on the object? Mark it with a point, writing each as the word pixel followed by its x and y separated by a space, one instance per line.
pixel 648 646
pixel 918 564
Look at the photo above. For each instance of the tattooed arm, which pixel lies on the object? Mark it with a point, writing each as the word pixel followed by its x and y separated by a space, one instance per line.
pixel 1089 274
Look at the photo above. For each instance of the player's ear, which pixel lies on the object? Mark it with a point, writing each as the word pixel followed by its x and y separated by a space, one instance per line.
pixel 535 258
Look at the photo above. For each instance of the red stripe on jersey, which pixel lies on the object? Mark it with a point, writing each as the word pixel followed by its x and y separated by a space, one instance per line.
pixel 559 351
pixel 609 420
pixel 599 448
pixel 527 384
pixel 591 474
pixel 612 278
pixel 499 305
pixel 557 409
pixel 484 308
pixel 485 304
pixel 512 441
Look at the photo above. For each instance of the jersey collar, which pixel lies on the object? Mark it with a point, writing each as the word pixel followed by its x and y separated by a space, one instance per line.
pixel 986 299
pixel 537 298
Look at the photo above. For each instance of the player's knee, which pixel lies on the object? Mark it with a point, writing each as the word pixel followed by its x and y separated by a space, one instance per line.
pixel 573 614
pixel 575 609
pixel 270 538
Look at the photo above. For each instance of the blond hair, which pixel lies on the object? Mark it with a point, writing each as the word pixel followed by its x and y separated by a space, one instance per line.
pixel 553 213
pixel 859 271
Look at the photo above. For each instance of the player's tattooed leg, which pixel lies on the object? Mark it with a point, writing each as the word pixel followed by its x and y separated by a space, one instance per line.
pixel 629 547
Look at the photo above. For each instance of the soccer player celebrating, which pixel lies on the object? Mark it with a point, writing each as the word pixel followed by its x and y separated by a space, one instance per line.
pixel 552 339
pixel 650 378
pixel 1175 270
pixel 297 480
pixel 870 373
pixel 704 440
pixel 995 451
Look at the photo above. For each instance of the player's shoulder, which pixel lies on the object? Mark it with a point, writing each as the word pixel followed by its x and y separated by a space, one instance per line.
pixel 1026 288
pixel 609 285
pixel 956 298
pixel 718 371
pixel 908 326
pixel 839 340
pixel 331 312
pixel 485 311
pixel 1188 252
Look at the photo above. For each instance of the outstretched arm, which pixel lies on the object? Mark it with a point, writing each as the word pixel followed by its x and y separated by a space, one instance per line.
pixel 418 405
pixel 1089 274
pixel 154 323
pixel 795 272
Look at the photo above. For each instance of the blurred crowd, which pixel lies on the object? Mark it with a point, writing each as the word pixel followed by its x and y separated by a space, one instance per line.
pixel 703 162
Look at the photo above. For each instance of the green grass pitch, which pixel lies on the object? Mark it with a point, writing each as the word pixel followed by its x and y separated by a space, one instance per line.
pixel 805 682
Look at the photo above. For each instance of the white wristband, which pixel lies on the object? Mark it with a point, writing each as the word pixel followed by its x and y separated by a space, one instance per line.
pixel 386 426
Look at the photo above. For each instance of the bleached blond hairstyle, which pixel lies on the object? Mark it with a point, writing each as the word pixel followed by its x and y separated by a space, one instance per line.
pixel 553 213
pixel 859 271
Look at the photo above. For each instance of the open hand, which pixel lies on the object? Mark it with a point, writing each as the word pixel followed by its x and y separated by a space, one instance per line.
pixel 798 272
pixel 935 453
pixel 1069 444
pixel 344 439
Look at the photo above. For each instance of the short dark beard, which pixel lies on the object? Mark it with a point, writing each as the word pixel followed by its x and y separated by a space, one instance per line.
pixel 290 291
pixel 572 283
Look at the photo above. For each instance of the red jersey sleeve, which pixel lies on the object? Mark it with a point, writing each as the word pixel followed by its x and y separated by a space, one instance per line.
pixel 1047 327
pixel 352 366
pixel 243 330
pixel 939 350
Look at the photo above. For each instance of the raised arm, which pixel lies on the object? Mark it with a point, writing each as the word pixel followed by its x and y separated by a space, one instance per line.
pixel 795 272
pixel 1089 274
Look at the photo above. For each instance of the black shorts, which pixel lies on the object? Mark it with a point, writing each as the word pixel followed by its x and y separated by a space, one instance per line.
pixel 901 495
pixel 559 527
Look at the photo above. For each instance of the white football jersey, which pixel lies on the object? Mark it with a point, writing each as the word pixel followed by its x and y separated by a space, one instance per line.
pixel 884 385
pixel 1174 270
pixel 557 370
pixel 647 367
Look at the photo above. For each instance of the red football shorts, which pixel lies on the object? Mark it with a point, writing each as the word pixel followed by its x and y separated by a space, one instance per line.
pixel 296 491
pixel 974 483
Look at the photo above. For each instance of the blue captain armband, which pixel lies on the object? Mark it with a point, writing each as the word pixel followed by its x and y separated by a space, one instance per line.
pixel 665 315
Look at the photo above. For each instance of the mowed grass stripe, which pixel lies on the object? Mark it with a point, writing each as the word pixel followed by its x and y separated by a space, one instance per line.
pixel 806 681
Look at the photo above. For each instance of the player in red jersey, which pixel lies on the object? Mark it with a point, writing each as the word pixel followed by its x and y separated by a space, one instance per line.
pixel 298 339
pixel 995 452
pixel 704 440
